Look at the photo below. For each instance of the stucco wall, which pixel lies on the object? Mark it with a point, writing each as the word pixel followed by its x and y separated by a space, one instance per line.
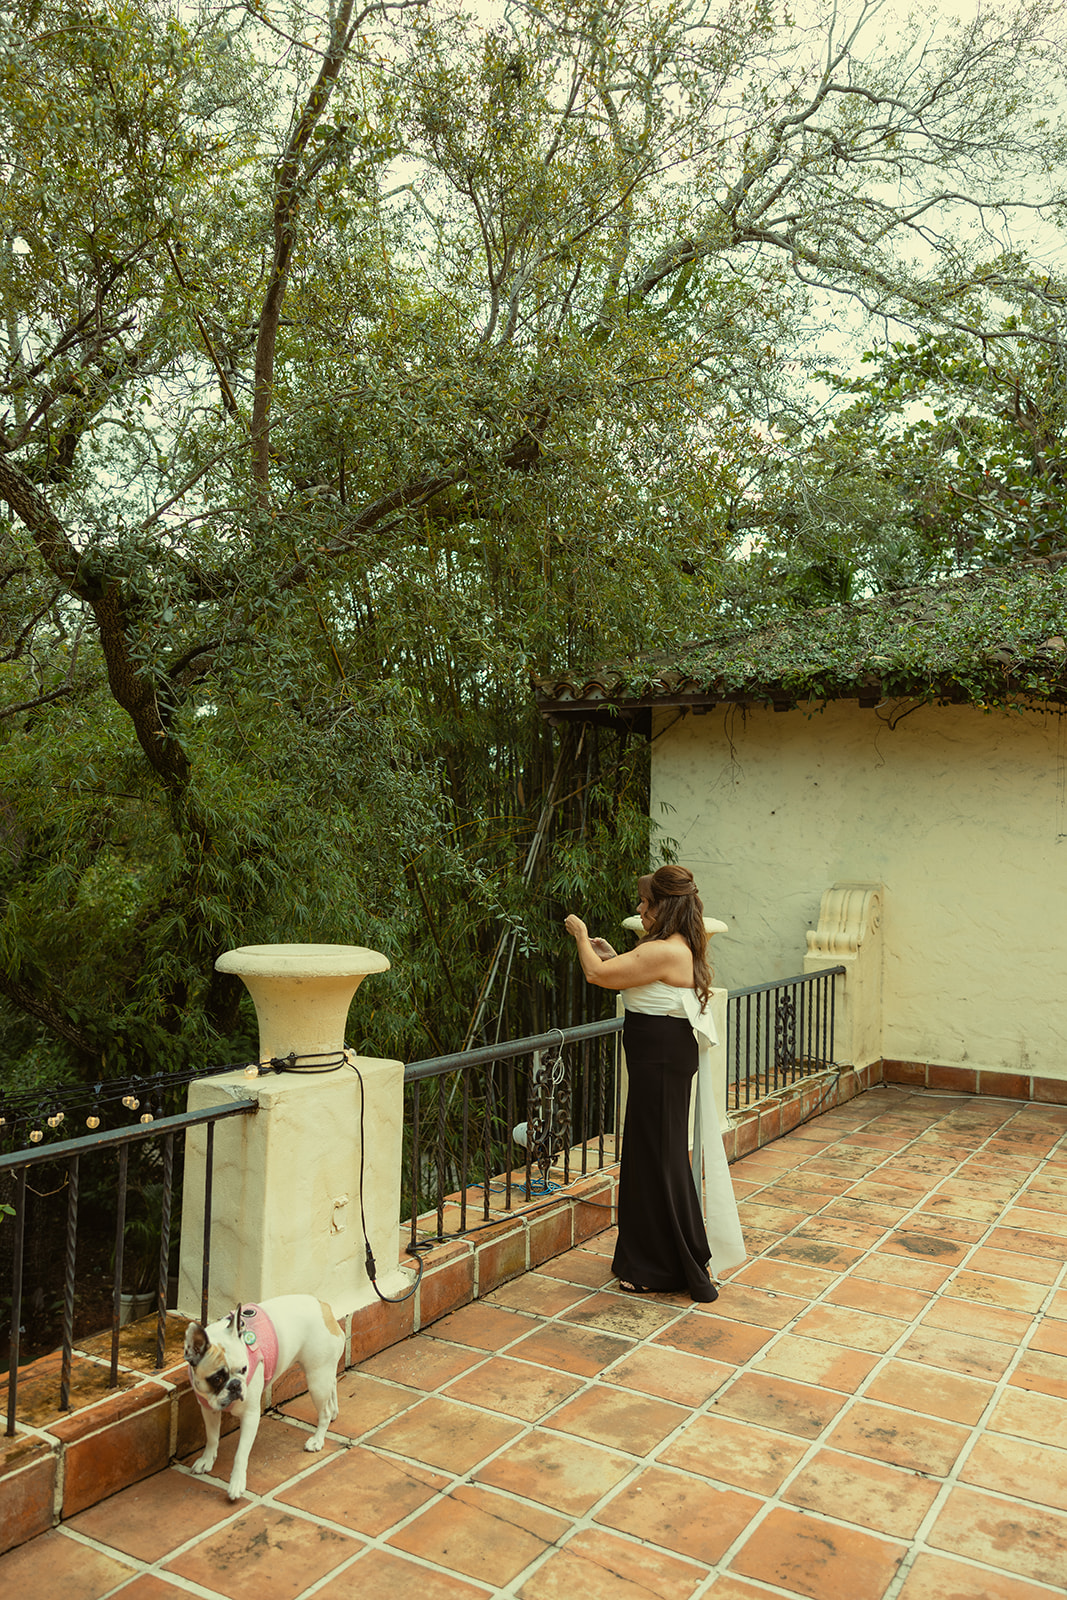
pixel 961 815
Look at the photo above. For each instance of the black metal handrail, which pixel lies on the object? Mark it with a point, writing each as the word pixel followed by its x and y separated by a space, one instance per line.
pixel 435 1065
pixel 564 1108
pixel 779 1032
pixel 71 1151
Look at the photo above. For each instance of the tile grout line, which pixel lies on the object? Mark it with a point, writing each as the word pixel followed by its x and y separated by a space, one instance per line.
pixel 819 1442
pixel 915 1210
pixel 527 1428
pixel 143 1568
pixel 941 1292
pixel 651 1457
pixel 577 1523
pixel 773 1500
pixel 978 1430
pixel 367 1440
pixel 604 1374
pixel 586 1519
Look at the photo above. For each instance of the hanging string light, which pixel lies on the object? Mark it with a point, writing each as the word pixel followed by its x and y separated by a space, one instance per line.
pixel 28 1118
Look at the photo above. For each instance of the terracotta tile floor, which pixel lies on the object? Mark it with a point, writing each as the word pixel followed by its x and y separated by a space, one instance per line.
pixel 876 1407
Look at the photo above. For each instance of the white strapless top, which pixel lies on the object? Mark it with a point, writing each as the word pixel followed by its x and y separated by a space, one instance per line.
pixel 671 1000
pixel 656 999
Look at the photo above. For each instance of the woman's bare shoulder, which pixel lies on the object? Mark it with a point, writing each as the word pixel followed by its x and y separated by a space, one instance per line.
pixel 673 959
pixel 653 960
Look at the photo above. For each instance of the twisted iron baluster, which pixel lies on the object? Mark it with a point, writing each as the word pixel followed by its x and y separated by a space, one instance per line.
pixel 164 1249
pixel 68 1284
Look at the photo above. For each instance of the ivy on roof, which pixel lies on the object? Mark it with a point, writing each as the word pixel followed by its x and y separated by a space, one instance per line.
pixel 994 637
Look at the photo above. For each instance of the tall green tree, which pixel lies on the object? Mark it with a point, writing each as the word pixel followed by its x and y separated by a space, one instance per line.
pixel 941 453
pixel 358 363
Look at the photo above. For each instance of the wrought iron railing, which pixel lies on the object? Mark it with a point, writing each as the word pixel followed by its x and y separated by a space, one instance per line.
pixel 467 1150
pixel 504 1117
pixel 15 1168
pixel 779 1032
pixel 485 1129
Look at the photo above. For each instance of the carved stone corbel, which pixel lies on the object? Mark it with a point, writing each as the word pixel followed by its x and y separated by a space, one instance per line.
pixel 849 934
pixel 848 913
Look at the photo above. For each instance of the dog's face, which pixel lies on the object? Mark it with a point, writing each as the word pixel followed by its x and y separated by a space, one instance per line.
pixel 218 1368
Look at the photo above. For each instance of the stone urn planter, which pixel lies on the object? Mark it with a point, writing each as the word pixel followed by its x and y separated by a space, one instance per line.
pixel 302 993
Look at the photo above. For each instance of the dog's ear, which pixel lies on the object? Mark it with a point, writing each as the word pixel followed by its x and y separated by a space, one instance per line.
pixel 196 1343
pixel 237 1324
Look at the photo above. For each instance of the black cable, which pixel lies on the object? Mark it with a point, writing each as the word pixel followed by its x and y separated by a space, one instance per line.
pixel 372 1271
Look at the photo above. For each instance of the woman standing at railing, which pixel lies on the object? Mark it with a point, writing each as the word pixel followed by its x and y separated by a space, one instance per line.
pixel 663 1243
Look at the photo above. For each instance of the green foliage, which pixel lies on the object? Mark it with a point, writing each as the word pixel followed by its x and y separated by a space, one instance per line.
pixel 993 638
pixel 948 454
pixel 983 465
pixel 350 378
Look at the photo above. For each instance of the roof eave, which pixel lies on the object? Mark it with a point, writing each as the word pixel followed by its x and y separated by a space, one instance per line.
pixel 630 709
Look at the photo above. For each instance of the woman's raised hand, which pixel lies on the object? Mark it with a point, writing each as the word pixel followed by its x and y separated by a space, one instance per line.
pixel 576 927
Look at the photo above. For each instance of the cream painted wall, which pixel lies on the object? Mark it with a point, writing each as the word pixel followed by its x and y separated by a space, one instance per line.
pixel 961 815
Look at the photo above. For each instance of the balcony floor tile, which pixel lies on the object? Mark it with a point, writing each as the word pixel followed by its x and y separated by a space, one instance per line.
pixel 875 1406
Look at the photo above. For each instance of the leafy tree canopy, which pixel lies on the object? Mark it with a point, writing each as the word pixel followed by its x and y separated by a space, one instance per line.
pixel 946 455
pixel 357 362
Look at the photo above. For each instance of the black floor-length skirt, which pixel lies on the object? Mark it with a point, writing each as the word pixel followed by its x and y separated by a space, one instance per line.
pixel 662 1241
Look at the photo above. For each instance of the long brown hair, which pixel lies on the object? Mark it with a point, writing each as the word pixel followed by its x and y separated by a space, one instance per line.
pixel 674 906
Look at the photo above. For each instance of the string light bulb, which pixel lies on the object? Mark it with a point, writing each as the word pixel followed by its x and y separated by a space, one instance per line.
pixel 55 1119
pixel 146 1116
pixel 92 1121
pixel 36 1136
pixel 252 1071
pixel 130 1101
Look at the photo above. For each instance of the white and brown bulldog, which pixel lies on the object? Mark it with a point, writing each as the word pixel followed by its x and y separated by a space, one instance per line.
pixel 232 1361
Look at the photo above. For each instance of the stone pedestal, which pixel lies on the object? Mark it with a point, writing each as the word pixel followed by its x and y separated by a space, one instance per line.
pixel 302 993
pixel 285 1215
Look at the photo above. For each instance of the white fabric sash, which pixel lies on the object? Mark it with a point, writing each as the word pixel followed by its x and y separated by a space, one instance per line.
pixel 711 1170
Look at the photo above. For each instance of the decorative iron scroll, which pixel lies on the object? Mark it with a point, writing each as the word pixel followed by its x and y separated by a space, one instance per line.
pixel 785 1035
pixel 548 1110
